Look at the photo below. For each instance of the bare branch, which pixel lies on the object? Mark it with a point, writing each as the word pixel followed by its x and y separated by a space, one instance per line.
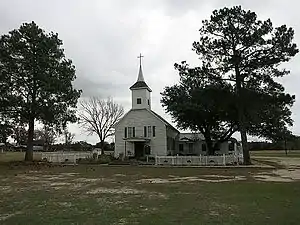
pixel 99 116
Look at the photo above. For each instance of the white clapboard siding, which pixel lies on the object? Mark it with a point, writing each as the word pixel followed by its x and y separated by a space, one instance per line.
pixel 138 119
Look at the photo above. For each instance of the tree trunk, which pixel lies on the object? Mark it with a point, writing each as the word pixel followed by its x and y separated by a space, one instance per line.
pixel 102 147
pixel 241 116
pixel 210 147
pixel 29 151
pixel 245 146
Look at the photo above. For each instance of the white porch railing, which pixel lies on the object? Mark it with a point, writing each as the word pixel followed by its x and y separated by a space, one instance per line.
pixel 60 157
pixel 200 160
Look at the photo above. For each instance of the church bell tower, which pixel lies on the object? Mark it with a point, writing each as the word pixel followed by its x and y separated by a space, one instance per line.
pixel 140 92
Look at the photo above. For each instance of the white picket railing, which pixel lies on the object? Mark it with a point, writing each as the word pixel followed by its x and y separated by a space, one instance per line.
pixel 60 157
pixel 200 160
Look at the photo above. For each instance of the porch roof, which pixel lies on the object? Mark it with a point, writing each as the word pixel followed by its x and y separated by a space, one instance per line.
pixel 137 139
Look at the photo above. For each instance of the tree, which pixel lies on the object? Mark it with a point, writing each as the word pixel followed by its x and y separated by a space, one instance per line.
pixel 68 137
pixel 236 47
pixel 99 116
pixel 202 106
pixel 46 134
pixel 20 134
pixel 6 129
pixel 38 78
pixel 107 146
pixel 209 106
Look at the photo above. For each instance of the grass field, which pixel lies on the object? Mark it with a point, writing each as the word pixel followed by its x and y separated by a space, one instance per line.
pixel 85 194
pixel 16 156
pixel 144 195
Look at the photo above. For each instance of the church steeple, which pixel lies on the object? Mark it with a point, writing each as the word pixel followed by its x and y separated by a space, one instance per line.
pixel 140 91
pixel 141 76
pixel 140 83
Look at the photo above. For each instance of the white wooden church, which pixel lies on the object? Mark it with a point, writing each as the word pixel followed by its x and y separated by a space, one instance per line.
pixel 143 132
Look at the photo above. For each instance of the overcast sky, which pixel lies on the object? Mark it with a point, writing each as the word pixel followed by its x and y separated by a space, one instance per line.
pixel 104 38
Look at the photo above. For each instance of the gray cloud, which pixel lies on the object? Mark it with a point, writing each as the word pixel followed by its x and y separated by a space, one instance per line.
pixel 103 38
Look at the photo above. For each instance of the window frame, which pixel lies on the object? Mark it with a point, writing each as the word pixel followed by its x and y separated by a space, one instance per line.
pixel 181 149
pixel 125 132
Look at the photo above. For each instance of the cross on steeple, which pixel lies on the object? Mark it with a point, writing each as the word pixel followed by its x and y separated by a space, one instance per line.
pixel 140 57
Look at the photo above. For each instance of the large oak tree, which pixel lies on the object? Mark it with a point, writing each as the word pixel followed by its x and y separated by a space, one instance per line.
pixel 209 106
pixel 235 46
pixel 36 80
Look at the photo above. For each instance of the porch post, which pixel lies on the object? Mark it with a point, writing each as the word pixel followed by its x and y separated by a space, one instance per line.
pixel 125 149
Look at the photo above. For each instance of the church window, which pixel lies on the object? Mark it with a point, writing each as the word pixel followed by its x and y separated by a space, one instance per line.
pixel 125 132
pixel 131 132
pixel 149 131
pixel 153 131
pixel 139 101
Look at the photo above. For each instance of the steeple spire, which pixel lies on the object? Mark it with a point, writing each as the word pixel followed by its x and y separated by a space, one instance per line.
pixel 141 76
pixel 140 83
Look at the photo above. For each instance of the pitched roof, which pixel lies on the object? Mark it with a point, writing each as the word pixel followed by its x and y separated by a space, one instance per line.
pixel 140 83
pixel 191 136
pixel 152 112
pixel 163 120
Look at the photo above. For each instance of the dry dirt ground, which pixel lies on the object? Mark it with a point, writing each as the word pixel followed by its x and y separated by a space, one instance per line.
pixel 148 195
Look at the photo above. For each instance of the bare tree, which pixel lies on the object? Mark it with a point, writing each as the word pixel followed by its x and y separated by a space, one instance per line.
pixel 99 116
pixel 47 135
pixel 68 137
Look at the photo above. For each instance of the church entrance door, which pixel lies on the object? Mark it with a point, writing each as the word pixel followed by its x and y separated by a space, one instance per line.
pixel 139 149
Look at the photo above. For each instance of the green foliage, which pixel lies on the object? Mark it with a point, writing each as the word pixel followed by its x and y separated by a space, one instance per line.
pixel 202 105
pixel 246 53
pixel 101 159
pixel 6 130
pixel 20 134
pixel 38 79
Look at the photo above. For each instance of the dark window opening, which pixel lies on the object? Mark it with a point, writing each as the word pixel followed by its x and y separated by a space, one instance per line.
pixel 139 101
pixel 133 131
pixel 148 102
pixel 191 147
pixel 145 131
pixel 153 132
pixel 125 134
pixel 231 146
pixel 147 150
pixel 204 149
pixel 217 147
pixel 181 147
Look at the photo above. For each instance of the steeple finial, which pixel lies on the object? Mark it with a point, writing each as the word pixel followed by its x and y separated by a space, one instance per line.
pixel 141 76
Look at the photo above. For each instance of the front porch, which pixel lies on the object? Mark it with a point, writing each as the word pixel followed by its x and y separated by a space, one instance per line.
pixel 137 147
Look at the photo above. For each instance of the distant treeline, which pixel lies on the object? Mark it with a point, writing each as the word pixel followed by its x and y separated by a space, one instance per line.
pixel 293 144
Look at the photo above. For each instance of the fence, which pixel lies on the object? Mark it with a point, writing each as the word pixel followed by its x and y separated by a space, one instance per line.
pixel 199 160
pixel 61 157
